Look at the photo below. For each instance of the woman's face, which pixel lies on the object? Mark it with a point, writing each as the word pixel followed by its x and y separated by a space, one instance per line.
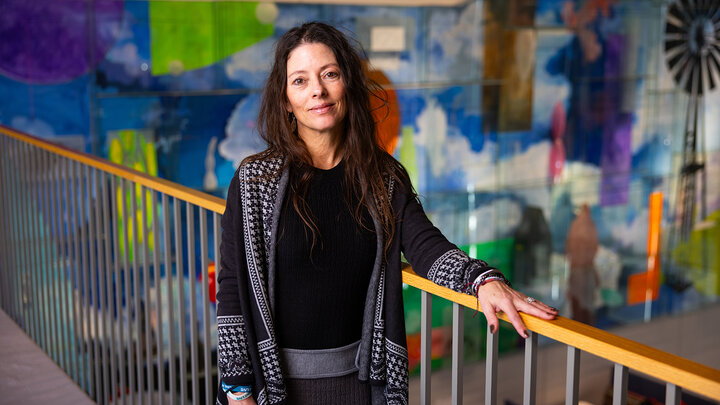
pixel 315 91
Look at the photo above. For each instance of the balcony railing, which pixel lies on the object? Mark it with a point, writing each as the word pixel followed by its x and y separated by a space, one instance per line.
pixel 94 259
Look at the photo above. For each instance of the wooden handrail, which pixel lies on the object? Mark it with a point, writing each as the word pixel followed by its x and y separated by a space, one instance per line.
pixel 193 196
pixel 668 367
pixel 637 356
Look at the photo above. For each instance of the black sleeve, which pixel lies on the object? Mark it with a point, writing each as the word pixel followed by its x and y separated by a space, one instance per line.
pixel 430 253
pixel 233 359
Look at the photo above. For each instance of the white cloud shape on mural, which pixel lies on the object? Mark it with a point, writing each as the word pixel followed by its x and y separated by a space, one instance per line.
pixel 483 223
pixel 448 151
pixel 251 65
pixel 713 172
pixel 459 37
pixel 584 182
pixel 526 174
pixel 128 57
pixel 633 235
pixel 712 121
pixel 120 29
pixel 241 136
pixel 33 126
pixel 528 167
pixel 548 91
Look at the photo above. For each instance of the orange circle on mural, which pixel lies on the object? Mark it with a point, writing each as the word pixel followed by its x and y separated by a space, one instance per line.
pixel 387 115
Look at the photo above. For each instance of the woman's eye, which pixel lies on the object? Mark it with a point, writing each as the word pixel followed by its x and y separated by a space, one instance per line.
pixel 298 81
pixel 332 75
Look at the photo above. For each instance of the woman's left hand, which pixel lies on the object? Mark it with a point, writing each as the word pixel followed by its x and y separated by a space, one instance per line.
pixel 496 296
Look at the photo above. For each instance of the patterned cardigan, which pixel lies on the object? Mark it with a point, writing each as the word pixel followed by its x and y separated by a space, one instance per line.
pixel 247 348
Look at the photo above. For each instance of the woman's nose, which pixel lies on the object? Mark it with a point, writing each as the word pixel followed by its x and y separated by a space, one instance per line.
pixel 318 89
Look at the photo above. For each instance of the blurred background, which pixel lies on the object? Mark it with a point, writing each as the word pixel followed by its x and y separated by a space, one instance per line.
pixel 574 145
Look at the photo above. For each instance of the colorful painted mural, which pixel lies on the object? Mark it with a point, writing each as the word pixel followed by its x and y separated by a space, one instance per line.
pixel 508 115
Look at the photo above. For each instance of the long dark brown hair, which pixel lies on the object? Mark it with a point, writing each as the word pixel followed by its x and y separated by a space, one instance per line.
pixel 365 161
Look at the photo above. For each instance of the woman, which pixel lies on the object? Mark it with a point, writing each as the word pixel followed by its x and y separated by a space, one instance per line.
pixel 310 299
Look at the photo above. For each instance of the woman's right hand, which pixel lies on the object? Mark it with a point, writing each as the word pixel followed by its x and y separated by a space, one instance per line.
pixel 247 401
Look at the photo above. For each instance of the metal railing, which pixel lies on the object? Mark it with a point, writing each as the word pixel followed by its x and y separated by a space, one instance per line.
pixel 94 270
pixel 93 263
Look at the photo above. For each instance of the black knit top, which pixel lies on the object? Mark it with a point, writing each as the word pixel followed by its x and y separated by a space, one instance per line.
pixel 321 290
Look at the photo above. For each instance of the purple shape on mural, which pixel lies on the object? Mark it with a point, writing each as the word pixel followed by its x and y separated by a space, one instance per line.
pixel 616 160
pixel 47 41
pixel 616 157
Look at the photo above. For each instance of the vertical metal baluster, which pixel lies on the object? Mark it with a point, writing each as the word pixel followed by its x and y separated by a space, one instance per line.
pixel 457 353
pixel 47 260
pixel 158 296
pixel 103 266
pixel 93 245
pixel 116 197
pixel 75 286
pixel 27 254
pixel 147 237
pixel 109 291
pixel 9 244
pixel 530 371
pixel 573 373
pixel 76 275
pixel 9 252
pixel 5 245
pixel 78 196
pixel 204 267
pixel 110 265
pixel 53 213
pixel 49 264
pixel 18 245
pixel 190 218
pixel 19 181
pixel 491 365
pixel 620 382
pixel 87 303
pixel 52 253
pixel 34 299
pixel 169 277
pixel 181 299
pixel 216 248
pixel 84 302
pixel 42 268
pixel 4 241
pixel 29 243
pixel 43 247
pixel 673 394
pixel 66 280
pixel 127 221
pixel 43 263
pixel 11 177
pixel 425 346
pixel 135 235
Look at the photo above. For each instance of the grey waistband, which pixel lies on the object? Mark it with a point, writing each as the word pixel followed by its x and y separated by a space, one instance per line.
pixel 322 363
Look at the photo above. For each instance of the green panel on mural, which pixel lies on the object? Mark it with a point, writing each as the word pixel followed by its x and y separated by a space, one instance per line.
pixel 407 154
pixel 699 256
pixel 191 35
pixel 498 253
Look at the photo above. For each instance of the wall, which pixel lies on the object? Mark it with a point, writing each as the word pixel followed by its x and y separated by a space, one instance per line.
pixel 510 116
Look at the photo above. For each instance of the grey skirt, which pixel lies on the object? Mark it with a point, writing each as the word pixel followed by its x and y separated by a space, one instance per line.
pixel 343 390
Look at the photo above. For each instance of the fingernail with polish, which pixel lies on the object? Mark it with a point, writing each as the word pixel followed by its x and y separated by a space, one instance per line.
pixel 492 329
pixel 554 309
pixel 525 334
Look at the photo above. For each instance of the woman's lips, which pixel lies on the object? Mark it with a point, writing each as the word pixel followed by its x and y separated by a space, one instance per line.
pixel 322 108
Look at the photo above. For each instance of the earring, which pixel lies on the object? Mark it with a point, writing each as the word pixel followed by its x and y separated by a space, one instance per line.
pixel 293 122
